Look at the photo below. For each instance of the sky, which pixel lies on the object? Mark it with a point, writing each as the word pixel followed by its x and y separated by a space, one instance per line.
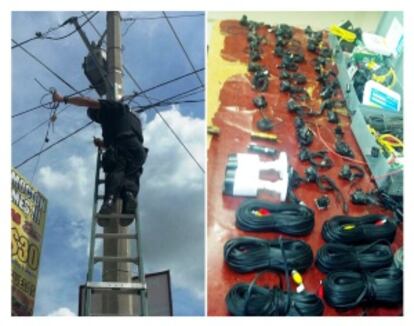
pixel 171 199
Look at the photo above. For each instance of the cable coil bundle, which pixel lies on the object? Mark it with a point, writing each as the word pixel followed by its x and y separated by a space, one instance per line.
pixel 334 257
pixel 246 254
pixel 252 300
pixel 349 289
pixel 355 230
pixel 292 219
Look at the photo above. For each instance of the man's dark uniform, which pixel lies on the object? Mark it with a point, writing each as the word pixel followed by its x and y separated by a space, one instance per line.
pixel 124 156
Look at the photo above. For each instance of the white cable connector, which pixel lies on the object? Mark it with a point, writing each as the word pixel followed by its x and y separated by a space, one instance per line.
pixel 243 175
pixel 247 161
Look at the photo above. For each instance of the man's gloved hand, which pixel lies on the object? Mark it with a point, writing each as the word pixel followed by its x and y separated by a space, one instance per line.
pixel 98 142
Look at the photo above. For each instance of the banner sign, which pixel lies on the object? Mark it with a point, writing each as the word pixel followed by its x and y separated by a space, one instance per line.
pixel 28 213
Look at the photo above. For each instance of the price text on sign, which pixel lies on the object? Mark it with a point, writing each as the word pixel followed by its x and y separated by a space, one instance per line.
pixel 26 252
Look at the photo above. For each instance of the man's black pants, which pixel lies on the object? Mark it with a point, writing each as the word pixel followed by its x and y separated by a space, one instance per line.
pixel 123 167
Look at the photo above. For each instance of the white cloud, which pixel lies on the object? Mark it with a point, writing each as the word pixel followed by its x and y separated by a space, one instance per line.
pixel 70 187
pixel 63 311
pixel 54 180
pixel 172 201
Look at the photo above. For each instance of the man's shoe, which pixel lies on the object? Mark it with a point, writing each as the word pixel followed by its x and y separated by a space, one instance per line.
pixel 129 203
pixel 129 207
pixel 108 207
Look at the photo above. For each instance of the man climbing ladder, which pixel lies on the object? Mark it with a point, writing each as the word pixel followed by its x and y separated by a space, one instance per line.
pixel 124 154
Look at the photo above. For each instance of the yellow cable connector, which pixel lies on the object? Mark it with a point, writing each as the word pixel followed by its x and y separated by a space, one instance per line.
pixel 348 227
pixel 342 33
pixel 296 277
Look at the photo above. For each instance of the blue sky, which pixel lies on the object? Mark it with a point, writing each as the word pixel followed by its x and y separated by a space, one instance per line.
pixel 173 232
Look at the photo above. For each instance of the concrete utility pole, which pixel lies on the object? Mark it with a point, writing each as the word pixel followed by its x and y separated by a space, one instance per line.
pixel 115 304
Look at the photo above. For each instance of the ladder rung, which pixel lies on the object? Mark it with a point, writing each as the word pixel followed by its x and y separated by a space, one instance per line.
pixel 115 216
pixel 116 236
pixel 98 259
pixel 118 286
pixel 100 197
pixel 101 181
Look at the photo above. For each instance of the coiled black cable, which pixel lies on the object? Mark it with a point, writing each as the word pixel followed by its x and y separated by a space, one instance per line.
pixel 292 219
pixel 333 257
pixel 358 230
pixel 349 289
pixel 246 254
pixel 252 300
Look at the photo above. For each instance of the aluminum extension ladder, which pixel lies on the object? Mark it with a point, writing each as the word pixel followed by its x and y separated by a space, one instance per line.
pixel 113 288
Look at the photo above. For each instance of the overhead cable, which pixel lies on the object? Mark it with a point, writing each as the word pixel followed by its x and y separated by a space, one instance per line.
pixel 165 121
pixel 54 144
pixel 43 36
pixel 144 108
pixel 141 92
pixel 50 102
pixel 182 47
pixel 128 19
pixel 46 67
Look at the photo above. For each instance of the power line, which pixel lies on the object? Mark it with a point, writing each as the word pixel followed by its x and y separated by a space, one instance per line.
pixel 133 20
pixel 179 97
pixel 40 124
pixel 43 36
pixel 46 67
pixel 54 144
pixel 161 17
pixel 161 84
pixel 84 14
pixel 181 102
pixel 182 47
pixel 90 122
pixel 152 105
pixel 36 127
pixel 75 30
pixel 179 140
pixel 48 103
pixel 167 124
pixel 126 97
pixel 168 101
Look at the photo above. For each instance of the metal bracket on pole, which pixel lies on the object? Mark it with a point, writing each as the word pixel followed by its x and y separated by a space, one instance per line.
pixel 74 21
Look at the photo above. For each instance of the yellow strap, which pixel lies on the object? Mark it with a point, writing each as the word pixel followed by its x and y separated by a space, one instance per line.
pixel 342 33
